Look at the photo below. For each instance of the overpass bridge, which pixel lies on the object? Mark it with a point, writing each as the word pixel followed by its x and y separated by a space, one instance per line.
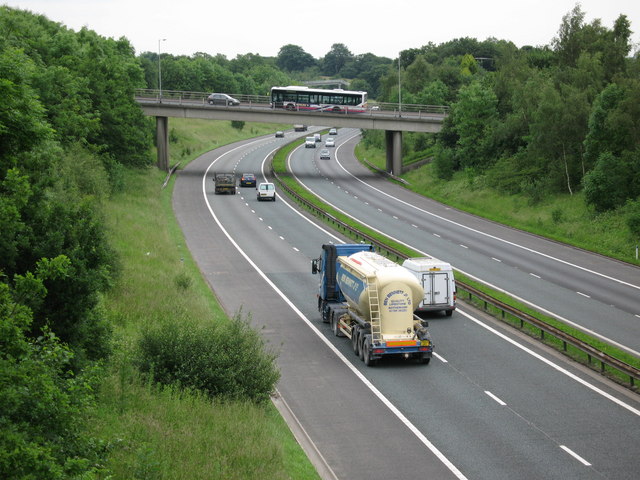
pixel 392 118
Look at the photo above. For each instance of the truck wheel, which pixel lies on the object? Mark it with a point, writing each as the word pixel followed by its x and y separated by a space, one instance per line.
pixel 366 352
pixel 425 360
pixel 354 339
pixel 448 313
pixel 361 339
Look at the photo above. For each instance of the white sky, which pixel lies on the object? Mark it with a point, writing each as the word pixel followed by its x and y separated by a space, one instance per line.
pixel 381 27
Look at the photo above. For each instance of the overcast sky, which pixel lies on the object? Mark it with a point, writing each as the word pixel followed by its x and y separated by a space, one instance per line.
pixel 381 27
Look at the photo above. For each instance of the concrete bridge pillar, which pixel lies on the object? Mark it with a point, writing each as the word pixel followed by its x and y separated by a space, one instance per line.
pixel 393 140
pixel 162 142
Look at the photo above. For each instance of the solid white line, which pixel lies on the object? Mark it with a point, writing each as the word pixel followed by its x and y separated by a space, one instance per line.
pixel 440 357
pixel 575 455
pixel 349 365
pixel 553 365
pixel 500 402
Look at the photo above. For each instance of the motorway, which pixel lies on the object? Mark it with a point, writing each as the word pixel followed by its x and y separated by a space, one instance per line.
pixel 492 404
pixel 594 293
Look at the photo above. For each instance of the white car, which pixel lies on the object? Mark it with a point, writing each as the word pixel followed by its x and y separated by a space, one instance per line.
pixel 266 191
pixel 333 131
pixel 330 142
pixel 310 142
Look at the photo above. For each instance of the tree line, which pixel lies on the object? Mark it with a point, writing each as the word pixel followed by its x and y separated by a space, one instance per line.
pixel 552 119
pixel 68 126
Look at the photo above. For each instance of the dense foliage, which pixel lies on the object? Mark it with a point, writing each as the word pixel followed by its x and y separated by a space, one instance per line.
pixel 218 360
pixel 68 123
pixel 551 121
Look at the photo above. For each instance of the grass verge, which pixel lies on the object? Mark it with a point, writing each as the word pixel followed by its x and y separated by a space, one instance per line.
pixel 564 218
pixel 167 433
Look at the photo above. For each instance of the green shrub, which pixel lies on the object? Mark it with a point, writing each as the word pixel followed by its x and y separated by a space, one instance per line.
pixel 182 281
pixel 237 124
pixel 633 218
pixel 557 216
pixel 220 360
pixel 445 164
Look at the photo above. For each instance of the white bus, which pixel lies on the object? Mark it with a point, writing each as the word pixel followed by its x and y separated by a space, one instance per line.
pixel 318 99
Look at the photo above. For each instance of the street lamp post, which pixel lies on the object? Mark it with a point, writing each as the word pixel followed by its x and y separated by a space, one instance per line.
pixel 160 68
pixel 399 90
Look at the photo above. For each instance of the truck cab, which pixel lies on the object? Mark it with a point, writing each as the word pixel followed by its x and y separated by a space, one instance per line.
pixel 326 265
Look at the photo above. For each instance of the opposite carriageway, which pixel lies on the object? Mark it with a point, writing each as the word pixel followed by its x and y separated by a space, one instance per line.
pixel 392 118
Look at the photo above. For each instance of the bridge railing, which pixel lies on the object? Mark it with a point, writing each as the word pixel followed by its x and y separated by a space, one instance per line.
pixel 176 96
pixel 191 97
pixel 409 107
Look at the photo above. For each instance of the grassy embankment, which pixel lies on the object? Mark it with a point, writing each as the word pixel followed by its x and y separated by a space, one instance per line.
pixel 168 433
pixel 280 167
pixel 563 218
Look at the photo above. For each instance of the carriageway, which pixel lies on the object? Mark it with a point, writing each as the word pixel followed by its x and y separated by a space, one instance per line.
pixel 392 118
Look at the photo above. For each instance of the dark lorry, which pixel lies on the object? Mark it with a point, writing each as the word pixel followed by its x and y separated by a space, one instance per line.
pixel 225 183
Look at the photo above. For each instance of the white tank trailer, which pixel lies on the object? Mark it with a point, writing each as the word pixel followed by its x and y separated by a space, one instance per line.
pixel 371 300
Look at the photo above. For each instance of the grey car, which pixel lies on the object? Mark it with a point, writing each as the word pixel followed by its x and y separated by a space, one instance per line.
pixel 324 154
pixel 222 99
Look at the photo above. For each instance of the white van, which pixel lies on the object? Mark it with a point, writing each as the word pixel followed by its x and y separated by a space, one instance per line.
pixel 310 142
pixel 438 282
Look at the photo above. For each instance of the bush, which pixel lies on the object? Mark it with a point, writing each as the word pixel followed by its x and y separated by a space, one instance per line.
pixel 42 430
pixel 607 187
pixel 220 360
pixel 633 218
pixel 237 124
pixel 445 164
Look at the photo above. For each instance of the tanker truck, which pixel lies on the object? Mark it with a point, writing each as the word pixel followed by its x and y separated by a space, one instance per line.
pixel 370 299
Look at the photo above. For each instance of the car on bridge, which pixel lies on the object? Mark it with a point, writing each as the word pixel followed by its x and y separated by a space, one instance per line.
pixel 222 99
